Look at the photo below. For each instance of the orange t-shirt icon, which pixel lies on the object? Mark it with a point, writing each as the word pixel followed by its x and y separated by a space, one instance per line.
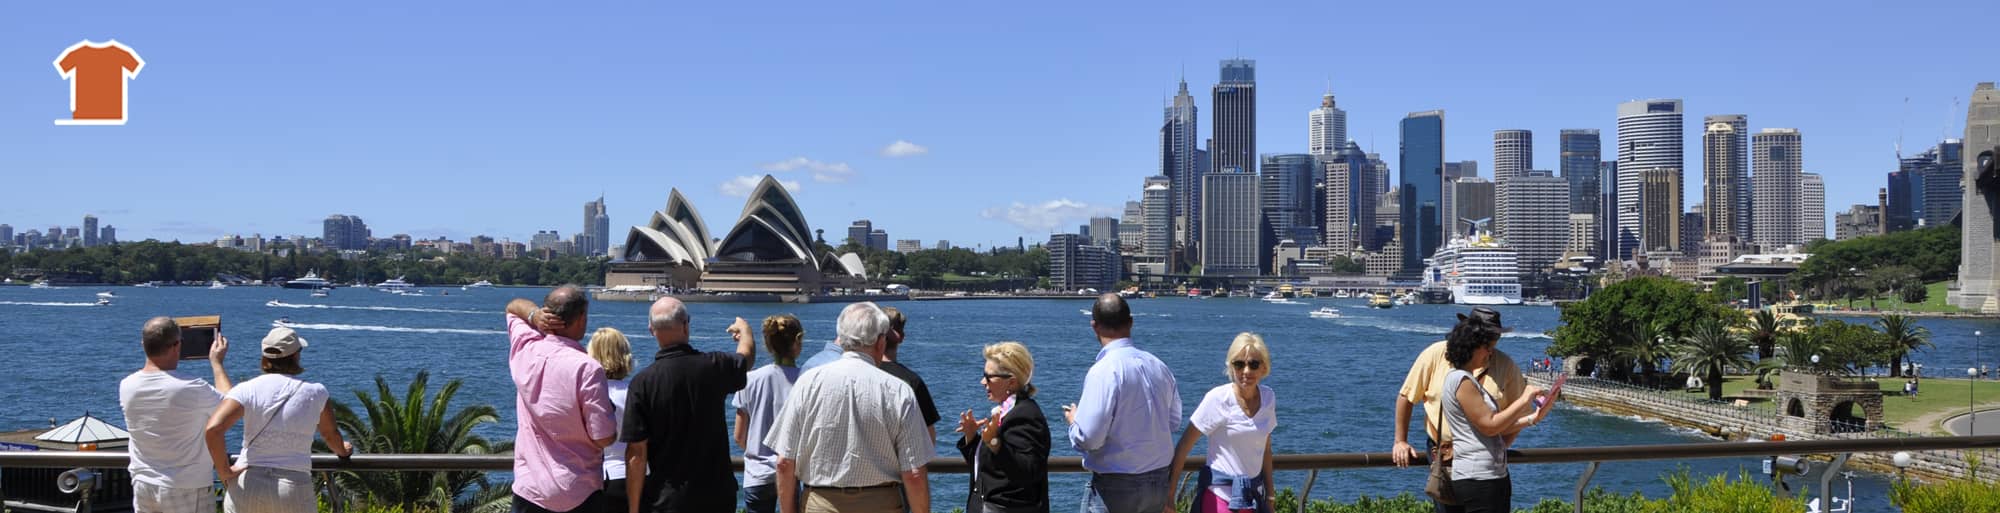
pixel 97 73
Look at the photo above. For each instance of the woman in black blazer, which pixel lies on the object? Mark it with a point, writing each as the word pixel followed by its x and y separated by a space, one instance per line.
pixel 1009 449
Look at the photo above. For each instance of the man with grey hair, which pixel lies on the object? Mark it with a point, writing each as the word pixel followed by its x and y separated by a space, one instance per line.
pixel 851 433
pixel 165 413
pixel 674 422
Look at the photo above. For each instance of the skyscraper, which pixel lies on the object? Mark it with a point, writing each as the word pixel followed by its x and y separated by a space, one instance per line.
pixel 1233 127
pixel 1461 169
pixel 878 240
pixel 1229 240
pixel 89 230
pixel 1181 161
pixel 857 232
pixel 598 223
pixel 6 235
pixel 1513 154
pixel 1812 207
pixel 108 235
pixel 1422 163
pixel 1132 227
pixel 1607 211
pixel 344 232
pixel 1649 138
pixel 1899 211
pixel 1537 218
pixel 1350 201
pixel 1470 198
pixel 1156 201
pixel 1582 149
pixel 1327 126
pixel 1660 200
pixel 1285 197
pixel 1725 175
pixel 1104 232
pixel 1775 161
pixel 1942 190
pixel 1454 171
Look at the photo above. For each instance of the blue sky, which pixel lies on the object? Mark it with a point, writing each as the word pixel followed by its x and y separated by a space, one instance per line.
pixel 462 118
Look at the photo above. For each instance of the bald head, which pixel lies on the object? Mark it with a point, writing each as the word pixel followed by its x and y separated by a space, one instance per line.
pixel 1111 313
pixel 668 320
pixel 570 304
pixel 159 336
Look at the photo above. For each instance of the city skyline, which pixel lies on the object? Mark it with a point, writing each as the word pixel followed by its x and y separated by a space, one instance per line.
pixel 373 140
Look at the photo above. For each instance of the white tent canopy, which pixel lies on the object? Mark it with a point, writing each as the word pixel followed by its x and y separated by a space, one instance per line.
pixel 85 430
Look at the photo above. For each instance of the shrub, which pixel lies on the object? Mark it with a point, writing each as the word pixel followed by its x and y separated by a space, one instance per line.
pixel 1915 293
pixel 1950 496
pixel 1719 494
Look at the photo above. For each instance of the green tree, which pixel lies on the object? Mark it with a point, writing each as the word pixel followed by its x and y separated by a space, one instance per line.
pixel 1900 336
pixel 1707 351
pixel 1623 313
pixel 416 423
pixel 1914 293
pixel 1729 289
pixel 1764 333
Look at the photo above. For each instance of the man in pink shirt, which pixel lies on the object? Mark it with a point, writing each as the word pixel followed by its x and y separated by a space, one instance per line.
pixel 562 410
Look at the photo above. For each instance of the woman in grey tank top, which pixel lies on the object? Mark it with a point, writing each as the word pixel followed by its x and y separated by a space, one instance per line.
pixel 1480 429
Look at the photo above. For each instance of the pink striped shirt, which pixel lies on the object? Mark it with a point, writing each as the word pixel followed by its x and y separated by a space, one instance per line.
pixel 560 406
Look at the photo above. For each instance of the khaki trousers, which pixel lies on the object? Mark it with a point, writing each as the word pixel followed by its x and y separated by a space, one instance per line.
pixel 872 500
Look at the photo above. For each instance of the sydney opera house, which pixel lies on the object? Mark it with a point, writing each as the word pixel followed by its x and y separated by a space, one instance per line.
pixel 769 252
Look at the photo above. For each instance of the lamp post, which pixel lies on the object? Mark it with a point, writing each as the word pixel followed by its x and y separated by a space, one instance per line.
pixel 1971 420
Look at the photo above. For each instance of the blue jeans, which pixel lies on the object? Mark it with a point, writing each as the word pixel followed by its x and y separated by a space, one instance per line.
pixel 761 498
pixel 1145 492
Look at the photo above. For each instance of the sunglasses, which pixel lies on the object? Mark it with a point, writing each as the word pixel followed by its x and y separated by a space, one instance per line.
pixel 991 377
pixel 1250 364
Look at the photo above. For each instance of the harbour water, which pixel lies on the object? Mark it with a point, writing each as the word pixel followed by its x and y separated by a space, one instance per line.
pixel 1335 379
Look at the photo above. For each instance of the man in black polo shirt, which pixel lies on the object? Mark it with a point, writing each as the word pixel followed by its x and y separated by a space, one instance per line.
pixel 894 368
pixel 674 418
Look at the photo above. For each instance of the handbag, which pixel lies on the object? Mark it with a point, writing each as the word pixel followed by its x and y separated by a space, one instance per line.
pixel 1438 487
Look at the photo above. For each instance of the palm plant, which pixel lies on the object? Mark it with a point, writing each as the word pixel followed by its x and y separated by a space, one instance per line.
pixel 1645 345
pixel 1708 350
pixel 418 423
pixel 1764 333
pixel 1902 336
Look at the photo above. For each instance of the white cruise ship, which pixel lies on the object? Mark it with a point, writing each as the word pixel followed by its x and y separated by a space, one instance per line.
pixel 1477 269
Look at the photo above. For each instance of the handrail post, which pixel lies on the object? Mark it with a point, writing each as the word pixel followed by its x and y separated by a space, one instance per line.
pixel 1305 498
pixel 1826 481
pixel 333 496
pixel 1582 482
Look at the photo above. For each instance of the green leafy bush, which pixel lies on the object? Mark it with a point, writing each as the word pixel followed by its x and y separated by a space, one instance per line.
pixel 1947 497
pixel 1719 494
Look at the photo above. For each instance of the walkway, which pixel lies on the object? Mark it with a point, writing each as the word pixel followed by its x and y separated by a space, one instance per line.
pixel 1988 422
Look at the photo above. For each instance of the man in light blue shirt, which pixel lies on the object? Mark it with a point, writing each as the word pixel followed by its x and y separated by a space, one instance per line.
pixel 1124 425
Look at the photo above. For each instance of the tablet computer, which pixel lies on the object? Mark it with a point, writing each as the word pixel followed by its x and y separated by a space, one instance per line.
pixel 198 334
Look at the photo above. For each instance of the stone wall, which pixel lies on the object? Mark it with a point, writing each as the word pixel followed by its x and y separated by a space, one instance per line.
pixel 1758 422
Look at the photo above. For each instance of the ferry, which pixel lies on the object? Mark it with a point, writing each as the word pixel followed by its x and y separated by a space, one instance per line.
pixel 1325 312
pixel 310 281
pixel 395 285
pixel 1478 269
pixel 1380 301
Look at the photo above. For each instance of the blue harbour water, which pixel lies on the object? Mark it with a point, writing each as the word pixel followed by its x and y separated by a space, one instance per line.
pixel 1335 378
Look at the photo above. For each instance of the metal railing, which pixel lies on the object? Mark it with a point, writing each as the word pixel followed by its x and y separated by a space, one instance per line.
pixel 1311 463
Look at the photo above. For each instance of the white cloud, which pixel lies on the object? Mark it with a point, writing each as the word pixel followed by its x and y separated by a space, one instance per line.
pixel 741 186
pixel 902 148
pixel 823 172
pixel 1046 216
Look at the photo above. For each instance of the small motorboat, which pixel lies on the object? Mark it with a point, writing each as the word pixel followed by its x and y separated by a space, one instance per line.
pixel 1274 296
pixel 1326 312
pixel 106 295
pixel 148 285
pixel 216 285
pixel 319 293
pixel 1341 294
pixel 282 322
pixel 274 303
pixel 102 302
pixel 44 284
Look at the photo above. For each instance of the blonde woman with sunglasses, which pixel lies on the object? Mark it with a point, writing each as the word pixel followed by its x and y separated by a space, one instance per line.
pixel 1237 417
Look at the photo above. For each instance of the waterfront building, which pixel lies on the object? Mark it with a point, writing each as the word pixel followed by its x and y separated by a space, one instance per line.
pixel 89 230
pixel 1076 263
pixel 1812 207
pixel 1726 177
pixel 1716 253
pixel 1230 235
pixel 1978 287
pixel 1649 138
pixel 1182 161
pixel 1468 199
pixel 907 246
pixel 1659 199
pixel 1326 128
pixel 1422 162
pixel 1582 149
pixel 1157 204
pixel 344 232
pixel 769 250
pixel 1285 199
pixel 1537 217
pixel 7 235
pixel 1233 140
pixel 1513 155
pixel 1776 164
pixel 543 239
pixel 1857 221
pixel 1386 262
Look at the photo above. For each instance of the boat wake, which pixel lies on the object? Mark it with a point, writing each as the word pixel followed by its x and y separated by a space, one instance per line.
pixel 281 304
pixel 392 329
pixel 1425 328
pixel 44 303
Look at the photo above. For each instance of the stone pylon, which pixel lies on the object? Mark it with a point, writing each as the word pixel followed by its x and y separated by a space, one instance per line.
pixel 1978 286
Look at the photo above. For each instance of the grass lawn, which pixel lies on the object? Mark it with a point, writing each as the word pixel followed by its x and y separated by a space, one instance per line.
pixel 1933 302
pixel 1946 397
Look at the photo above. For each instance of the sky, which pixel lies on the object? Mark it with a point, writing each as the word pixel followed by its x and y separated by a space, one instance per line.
pixel 973 122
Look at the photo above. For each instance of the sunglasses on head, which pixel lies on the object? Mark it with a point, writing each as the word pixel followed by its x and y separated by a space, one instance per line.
pixel 1249 364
